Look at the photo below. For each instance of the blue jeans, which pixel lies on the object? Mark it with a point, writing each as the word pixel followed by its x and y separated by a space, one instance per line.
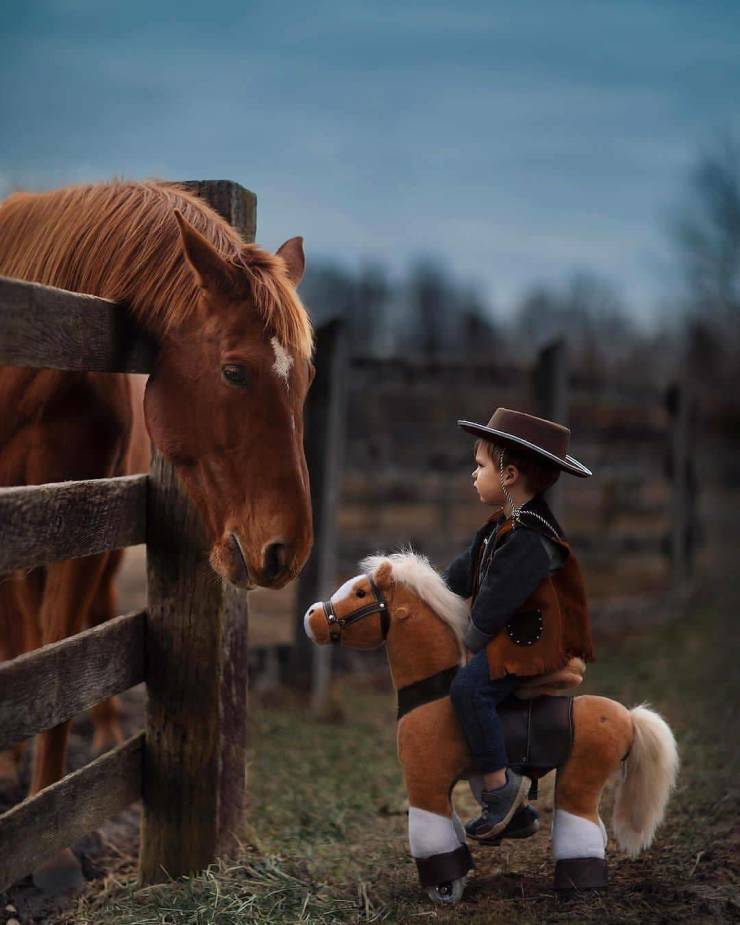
pixel 475 698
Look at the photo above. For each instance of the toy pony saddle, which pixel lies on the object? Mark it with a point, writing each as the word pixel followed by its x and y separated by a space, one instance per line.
pixel 538 733
pixel 538 722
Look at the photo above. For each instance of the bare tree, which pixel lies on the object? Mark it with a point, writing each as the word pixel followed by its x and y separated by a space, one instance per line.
pixel 706 232
pixel 587 311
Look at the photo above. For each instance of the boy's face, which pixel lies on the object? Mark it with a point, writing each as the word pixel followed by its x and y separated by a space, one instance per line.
pixel 487 480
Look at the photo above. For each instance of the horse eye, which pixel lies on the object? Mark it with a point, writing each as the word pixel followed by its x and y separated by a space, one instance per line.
pixel 235 374
pixel 361 593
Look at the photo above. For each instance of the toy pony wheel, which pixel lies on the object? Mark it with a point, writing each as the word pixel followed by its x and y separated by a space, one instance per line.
pixel 447 894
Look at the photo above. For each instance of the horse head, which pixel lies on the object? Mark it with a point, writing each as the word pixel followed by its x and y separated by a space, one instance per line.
pixel 224 405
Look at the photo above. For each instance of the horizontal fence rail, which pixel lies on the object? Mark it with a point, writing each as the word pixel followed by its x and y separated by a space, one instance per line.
pixel 32 832
pixel 66 520
pixel 35 688
pixel 41 326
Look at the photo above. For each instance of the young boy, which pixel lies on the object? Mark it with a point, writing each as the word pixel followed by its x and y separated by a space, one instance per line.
pixel 528 604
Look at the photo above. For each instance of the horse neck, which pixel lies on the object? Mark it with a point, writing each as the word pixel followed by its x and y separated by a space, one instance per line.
pixel 420 646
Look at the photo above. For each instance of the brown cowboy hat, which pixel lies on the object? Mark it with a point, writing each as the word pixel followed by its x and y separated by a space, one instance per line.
pixel 545 438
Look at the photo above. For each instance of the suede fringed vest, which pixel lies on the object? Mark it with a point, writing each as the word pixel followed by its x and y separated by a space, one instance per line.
pixel 550 627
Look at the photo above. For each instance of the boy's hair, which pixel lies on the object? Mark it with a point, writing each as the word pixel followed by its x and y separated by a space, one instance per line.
pixel 538 474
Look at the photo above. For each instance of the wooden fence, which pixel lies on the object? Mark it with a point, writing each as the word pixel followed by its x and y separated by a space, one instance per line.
pixel 399 473
pixel 189 646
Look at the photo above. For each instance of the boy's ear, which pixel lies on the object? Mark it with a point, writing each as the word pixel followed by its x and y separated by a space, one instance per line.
pixel 516 474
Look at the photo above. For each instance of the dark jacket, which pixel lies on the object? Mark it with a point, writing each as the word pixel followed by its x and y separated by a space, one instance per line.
pixel 528 602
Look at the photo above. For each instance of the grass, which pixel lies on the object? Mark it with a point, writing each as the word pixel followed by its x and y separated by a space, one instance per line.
pixel 326 841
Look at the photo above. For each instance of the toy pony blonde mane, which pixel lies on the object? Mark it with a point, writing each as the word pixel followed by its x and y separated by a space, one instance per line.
pixel 416 572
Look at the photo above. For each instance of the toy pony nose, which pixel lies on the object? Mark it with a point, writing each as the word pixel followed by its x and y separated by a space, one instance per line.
pixel 318 632
pixel 316 607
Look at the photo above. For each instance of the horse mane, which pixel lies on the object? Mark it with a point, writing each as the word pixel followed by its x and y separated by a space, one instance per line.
pixel 417 573
pixel 120 240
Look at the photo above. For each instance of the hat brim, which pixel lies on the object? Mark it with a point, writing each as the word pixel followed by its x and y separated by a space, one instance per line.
pixel 569 464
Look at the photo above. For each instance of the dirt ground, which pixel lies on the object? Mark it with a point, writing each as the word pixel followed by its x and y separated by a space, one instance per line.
pixel 326 837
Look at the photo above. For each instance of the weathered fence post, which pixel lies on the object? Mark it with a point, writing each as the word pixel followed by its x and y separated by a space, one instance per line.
pixel 195 755
pixel 552 399
pixel 683 488
pixel 324 446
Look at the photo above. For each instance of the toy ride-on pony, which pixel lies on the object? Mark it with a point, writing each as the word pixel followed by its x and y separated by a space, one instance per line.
pixel 401 600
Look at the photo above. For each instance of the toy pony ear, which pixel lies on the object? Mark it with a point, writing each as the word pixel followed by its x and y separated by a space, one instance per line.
pixel 401 613
pixel 383 574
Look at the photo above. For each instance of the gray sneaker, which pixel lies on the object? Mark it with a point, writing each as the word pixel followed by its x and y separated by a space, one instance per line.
pixel 499 806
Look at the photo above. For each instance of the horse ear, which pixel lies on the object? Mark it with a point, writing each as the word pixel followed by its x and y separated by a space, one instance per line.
pixel 211 271
pixel 295 261
pixel 383 574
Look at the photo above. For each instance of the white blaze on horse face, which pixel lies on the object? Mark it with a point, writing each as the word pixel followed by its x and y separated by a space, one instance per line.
pixel 283 361
pixel 345 590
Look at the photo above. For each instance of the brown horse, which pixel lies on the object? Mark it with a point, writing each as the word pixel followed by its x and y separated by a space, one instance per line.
pixel 224 403
pixel 401 600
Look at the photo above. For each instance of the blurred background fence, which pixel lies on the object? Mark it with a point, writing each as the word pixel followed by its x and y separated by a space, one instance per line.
pixel 390 467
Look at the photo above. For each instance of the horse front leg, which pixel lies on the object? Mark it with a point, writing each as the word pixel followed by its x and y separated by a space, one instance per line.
pixel 69 591
pixel 106 715
pixel 70 588
pixel 20 601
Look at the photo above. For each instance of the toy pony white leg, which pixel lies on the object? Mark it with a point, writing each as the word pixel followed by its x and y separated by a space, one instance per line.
pixel 437 844
pixel 579 851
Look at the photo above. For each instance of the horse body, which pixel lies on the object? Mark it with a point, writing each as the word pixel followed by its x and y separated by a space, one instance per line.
pixel 224 402
pixel 423 641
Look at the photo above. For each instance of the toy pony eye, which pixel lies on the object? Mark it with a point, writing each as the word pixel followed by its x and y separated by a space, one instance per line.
pixel 235 374
pixel 361 593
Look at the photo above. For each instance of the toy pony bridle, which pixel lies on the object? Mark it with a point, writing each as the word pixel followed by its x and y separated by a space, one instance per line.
pixel 379 606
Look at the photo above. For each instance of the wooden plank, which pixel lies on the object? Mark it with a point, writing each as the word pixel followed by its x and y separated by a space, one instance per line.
pixel 195 768
pixel 52 684
pixel 196 643
pixel 232 201
pixel 66 520
pixel 324 447
pixel 683 480
pixel 42 326
pixel 550 380
pixel 32 832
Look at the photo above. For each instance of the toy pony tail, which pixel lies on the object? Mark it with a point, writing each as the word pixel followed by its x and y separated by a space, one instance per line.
pixel 649 776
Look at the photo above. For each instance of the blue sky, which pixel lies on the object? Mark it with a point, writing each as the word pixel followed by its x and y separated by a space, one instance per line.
pixel 518 141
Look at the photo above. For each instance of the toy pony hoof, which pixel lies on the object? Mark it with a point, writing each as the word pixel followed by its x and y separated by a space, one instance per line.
pixel 576 874
pixel 447 894
pixel 443 876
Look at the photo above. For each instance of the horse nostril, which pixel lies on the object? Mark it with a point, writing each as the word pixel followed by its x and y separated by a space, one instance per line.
pixel 276 559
